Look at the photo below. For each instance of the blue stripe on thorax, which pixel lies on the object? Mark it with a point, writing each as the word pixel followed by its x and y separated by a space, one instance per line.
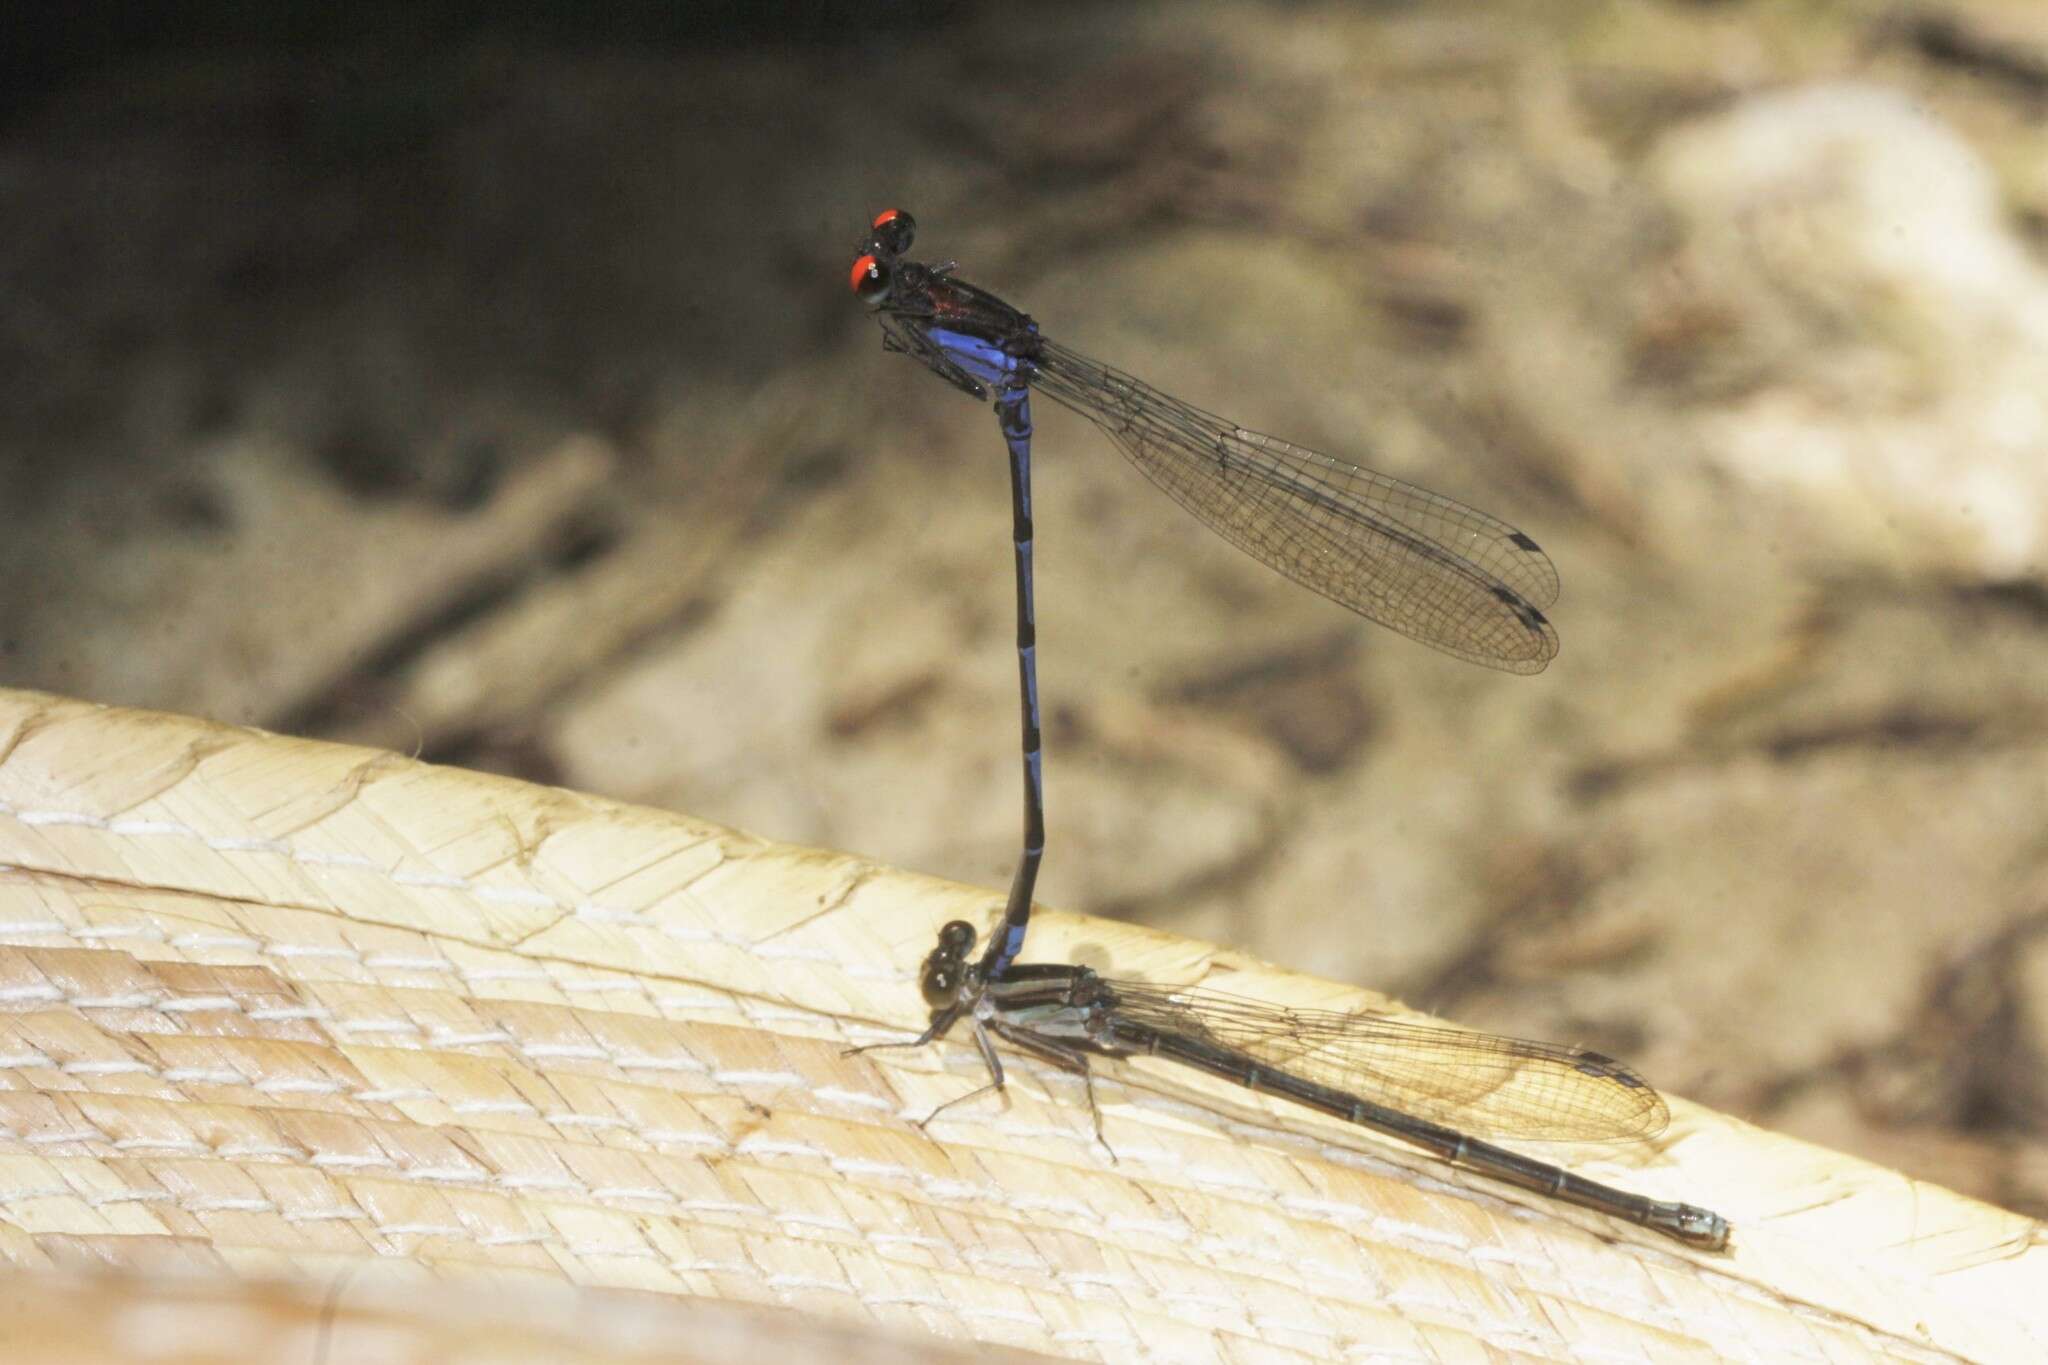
pixel 980 357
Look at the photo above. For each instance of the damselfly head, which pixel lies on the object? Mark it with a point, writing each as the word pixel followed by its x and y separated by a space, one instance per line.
pixel 889 236
pixel 946 968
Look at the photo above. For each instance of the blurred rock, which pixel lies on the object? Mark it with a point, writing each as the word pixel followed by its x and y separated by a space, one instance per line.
pixel 1868 360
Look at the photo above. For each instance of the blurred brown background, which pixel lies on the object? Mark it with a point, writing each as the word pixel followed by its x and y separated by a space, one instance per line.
pixel 475 382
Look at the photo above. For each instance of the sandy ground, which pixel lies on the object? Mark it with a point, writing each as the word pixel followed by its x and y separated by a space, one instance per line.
pixel 509 405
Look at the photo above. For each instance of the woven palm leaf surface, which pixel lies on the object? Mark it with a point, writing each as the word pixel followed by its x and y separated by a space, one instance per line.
pixel 303 1015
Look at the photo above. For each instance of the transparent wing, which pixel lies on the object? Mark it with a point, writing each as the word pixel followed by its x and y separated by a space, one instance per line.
pixel 1475 1082
pixel 1414 561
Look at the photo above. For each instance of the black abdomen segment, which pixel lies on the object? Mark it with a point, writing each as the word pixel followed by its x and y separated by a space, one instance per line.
pixel 1688 1223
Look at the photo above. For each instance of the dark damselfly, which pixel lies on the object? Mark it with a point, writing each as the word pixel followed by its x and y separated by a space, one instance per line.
pixel 1436 570
pixel 1433 569
pixel 1409 1080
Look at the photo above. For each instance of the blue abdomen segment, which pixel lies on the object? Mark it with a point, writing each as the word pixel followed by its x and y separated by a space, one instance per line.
pixel 984 360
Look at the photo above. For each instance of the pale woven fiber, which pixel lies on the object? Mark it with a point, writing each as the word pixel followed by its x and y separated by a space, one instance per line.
pixel 296 1013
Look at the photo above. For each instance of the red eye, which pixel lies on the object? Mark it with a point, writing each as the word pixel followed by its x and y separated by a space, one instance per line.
pixel 870 280
pixel 892 231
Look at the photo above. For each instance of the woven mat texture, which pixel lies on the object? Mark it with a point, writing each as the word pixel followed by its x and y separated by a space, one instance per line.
pixel 282 1011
